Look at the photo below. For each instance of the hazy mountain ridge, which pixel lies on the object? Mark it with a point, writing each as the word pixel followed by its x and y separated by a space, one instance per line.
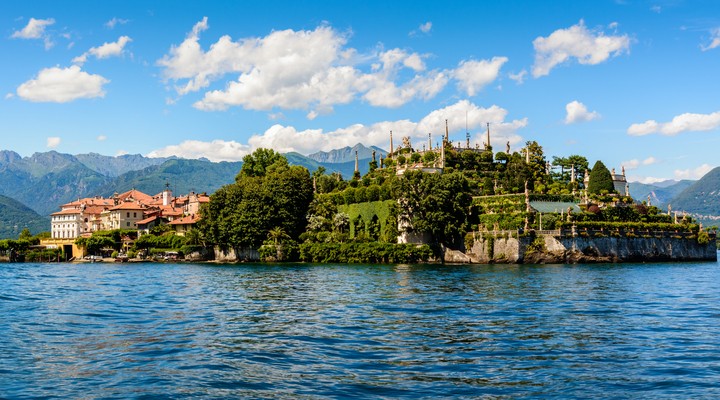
pixel 347 154
pixel 44 181
pixel 661 193
pixel 118 165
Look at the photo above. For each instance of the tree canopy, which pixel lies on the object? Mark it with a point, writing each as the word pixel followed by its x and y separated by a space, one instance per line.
pixel 600 179
pixel 267 194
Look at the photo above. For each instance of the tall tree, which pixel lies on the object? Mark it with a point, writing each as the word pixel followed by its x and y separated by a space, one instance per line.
pixel 263 197
pixel 600 179
pixel 435 204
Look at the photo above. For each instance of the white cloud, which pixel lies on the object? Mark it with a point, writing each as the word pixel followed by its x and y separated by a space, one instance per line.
pixel 681 123
pixel 101 138
pixel 106 50
pixel 287 138
pixel 116 21
pixel 120 153
pixel 577 112
pixel 588 47
pixel 519 78
pixel 35 29
pixel 714 40
pixel 472 75
pixel 635 163
pixel 648 180
pixel 309 70
pixel 61 85
pixel 422 29
pixel 695 173
pixel 217 150
pixel 53 142
pixel 9 96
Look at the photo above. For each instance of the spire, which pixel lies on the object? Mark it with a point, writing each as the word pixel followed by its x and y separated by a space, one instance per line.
pixel 429 141
pixel 357 168
pixel 391 145
pixel 572 173
pixel 488 135
pixel 447 131
pixel 442 154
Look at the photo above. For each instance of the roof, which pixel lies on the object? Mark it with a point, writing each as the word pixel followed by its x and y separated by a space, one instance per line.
pixel 135 195
pixel 186 220
pixel 73 211
pixel 554 206
pixel 147 220
pixel 128 205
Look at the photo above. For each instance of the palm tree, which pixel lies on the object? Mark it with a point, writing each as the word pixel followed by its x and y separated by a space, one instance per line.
pixel 277 234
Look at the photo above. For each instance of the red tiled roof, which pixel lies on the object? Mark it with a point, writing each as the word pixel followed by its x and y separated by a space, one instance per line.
pixel 74 211
pixel 186 220
pixel 128 205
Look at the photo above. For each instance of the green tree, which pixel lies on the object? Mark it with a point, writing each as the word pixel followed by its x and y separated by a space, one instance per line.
pixel 264 197
pixel 25 234
pixel 256 164
pixel 435 204
pixel 600 179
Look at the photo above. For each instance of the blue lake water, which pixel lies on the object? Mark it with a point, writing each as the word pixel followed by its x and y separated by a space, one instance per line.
pixel 359 331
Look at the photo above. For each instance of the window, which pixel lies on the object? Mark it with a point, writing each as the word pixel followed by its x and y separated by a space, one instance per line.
pixel 128 214
pixel 134 215
pixel 128 223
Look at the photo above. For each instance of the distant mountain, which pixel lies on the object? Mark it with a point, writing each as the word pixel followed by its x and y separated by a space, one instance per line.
pixel 7 157
pixel 15 216
pixel 347 154
pixel 702 198
pixel 44 181
pixel 661 193
pixel 183 176
pixel 116 166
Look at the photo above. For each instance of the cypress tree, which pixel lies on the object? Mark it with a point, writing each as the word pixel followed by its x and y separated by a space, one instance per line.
pixel 600 179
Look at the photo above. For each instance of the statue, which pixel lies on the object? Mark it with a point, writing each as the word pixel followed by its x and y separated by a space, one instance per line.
pixel 406 142
pixel 507 147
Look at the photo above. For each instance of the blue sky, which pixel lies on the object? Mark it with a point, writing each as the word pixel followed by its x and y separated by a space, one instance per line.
pixel 632 83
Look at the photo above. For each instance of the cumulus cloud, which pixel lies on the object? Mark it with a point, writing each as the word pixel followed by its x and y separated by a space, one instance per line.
pixel 53 142
pixel 310 70
pixel 577 112
pixel 61 85
pixel 681 123
pixel 106 50
pixel 693 173
pixel 101 138
pixel 714 40
pixel 287 138
pixel 35 29
pixel 116 21
pixel 472 75
pixel 217 150
pixel 578 42
pixel 635 163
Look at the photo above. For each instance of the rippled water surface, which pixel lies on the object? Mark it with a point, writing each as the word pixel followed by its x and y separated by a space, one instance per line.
pixel 309 331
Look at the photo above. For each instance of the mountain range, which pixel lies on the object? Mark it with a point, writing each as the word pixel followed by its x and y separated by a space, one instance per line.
pixel 46 180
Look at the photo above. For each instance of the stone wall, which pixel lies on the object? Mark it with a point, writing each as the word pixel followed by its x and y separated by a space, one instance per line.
pixel 236 255
pixel 588 250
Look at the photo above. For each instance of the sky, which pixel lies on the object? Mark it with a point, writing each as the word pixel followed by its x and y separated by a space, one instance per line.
pixel 634 84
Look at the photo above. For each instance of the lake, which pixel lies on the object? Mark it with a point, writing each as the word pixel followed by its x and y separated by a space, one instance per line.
pixel 359 331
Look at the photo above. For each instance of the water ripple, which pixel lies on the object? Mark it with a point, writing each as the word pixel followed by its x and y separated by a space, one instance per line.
pixel 309 331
